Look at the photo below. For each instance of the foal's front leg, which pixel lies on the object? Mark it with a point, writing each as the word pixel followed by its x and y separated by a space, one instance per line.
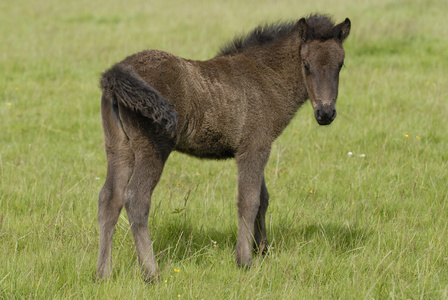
pixel 250 179
pixel 261 240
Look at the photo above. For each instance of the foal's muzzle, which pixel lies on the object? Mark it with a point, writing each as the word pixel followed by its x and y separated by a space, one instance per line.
pixel 325 113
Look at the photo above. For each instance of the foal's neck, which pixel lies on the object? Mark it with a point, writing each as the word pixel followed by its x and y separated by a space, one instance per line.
pixel 283 57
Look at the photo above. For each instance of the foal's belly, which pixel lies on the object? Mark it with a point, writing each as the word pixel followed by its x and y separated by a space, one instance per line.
pixel 211 145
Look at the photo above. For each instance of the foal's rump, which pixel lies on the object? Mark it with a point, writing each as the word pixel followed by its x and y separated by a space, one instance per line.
pixel 121 83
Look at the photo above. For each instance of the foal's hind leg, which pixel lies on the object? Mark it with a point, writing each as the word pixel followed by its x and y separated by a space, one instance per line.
pixel 261 240
pixel 250 178
pixel 150 158
pixel 120 160
pixel 110 203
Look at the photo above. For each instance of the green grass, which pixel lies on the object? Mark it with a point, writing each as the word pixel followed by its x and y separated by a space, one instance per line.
pixel 374 227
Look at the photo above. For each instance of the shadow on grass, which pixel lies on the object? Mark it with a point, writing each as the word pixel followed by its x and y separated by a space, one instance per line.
pixel 176 240
pixel 340 237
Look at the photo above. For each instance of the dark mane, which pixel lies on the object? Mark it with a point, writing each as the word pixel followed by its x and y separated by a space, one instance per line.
pixel 321 28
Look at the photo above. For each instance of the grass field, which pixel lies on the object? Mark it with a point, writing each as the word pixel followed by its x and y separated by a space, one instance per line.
pixel 373 225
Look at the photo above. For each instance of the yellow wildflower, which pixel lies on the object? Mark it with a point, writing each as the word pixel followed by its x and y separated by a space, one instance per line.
pixel 178 183
pixel 311 191
pixel 417 137
pixel 406 135
pixel 176 270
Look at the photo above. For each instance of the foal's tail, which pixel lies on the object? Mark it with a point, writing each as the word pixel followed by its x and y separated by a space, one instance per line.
pixel 124 84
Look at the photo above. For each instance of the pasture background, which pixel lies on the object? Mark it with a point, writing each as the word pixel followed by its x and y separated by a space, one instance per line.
pixel 373 226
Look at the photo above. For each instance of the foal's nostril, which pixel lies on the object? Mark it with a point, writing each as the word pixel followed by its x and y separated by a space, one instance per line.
pixel 317 114
pixel 333 115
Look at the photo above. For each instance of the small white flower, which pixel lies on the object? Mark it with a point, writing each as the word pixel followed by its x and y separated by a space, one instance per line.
pixel 350 153
pixel 362 155
pixel 97 178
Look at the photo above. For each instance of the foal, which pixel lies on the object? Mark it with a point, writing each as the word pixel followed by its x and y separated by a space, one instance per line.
pixel 231 106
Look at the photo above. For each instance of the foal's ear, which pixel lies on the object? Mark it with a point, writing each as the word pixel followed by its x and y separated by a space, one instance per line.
pixel 303 28
pixel 342 30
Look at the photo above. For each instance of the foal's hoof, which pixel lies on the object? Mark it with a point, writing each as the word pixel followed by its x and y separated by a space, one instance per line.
pixel 263 247
pixel 151 278
pixel 243 263
pixel 244 266
pixel 99 279
pixel 102 275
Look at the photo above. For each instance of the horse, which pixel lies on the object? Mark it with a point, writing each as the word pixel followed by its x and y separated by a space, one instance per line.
pixel 233 105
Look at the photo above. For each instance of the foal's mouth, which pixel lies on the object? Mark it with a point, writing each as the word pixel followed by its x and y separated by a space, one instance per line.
pixel 324 122
pixel 325 114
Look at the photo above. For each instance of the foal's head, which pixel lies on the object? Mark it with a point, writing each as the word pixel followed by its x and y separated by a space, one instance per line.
pixel 322 59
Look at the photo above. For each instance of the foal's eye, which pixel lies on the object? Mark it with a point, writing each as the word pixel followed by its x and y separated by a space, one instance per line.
pixel 306 66
pixel 341 65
